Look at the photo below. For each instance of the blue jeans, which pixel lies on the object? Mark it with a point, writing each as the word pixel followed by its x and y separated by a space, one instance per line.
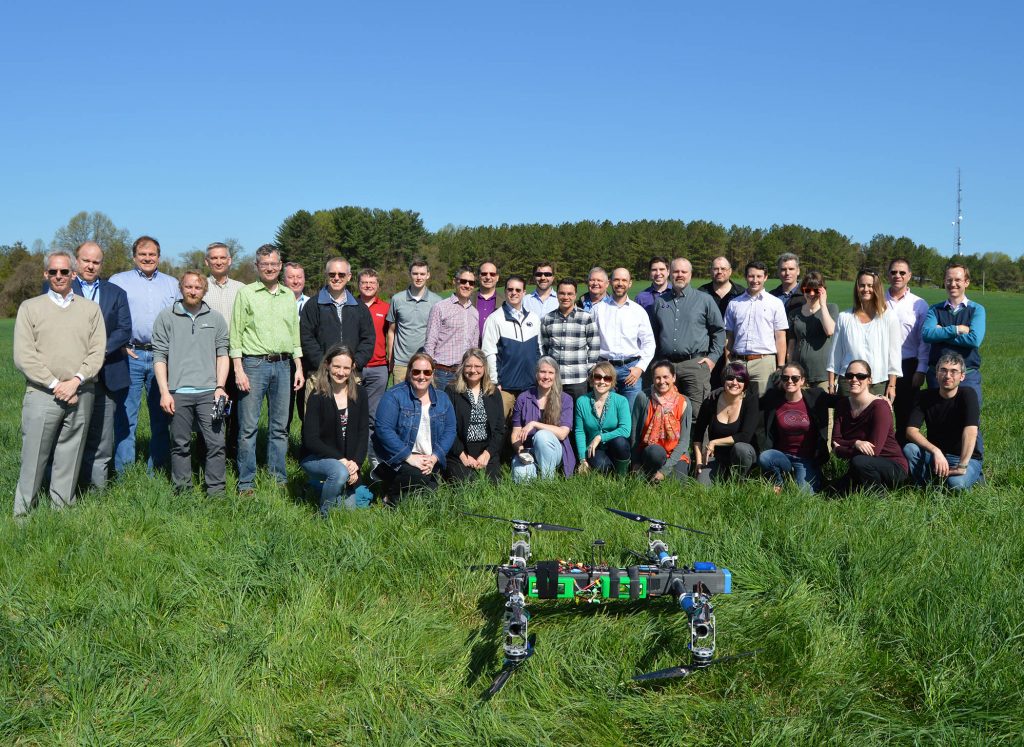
pixel 443 378
pixel 629 392
pixel 273 381
pixel 142 380
pixel 547 457
pixel 922 469
pixel 335 491
pixel 804 471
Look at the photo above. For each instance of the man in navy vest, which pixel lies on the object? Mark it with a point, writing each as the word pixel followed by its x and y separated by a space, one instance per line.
pixel 108 414
pixel 956 325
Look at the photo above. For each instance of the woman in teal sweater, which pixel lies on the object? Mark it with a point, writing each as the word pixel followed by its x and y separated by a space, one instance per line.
pixel 603 424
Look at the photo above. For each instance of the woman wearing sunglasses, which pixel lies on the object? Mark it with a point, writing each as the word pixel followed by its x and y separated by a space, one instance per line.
pixel 813 325
pixel 863 434
pixel 728 418
pixel 868 332
pixel 413 432
pixel 479 420
pixel 661 427
pixel 335 432
pixel 796 430
pixel 541 423
pixel 602 424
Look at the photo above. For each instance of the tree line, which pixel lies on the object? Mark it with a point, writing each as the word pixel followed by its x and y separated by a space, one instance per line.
pixel 388 240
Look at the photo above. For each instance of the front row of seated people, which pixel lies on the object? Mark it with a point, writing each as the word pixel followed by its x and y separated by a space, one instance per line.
pixel 423 433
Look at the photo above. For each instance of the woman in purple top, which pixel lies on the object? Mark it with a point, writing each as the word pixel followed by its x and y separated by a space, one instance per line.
pixel 863 433
pixel 541 424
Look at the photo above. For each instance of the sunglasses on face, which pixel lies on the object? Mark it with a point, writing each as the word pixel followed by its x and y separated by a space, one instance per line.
pixel 602 377
pixel 63 272
pixel 857 376
pixel 513 290
pixel 466 281
pixel 733 377
pixel 901 273
pixel 809 291
pixel 337 275
pixel 423 372
pixel 791 378
pixel 543 274
pixel 488 274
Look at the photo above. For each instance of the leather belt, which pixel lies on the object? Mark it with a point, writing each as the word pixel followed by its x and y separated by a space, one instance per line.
pixel 142 346
pixel 447 369
pixel 754 356
pixel 272 357
pixel 621 362
pixel 687 357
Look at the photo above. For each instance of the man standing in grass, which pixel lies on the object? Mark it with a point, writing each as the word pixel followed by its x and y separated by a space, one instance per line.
pixel 626 337
pixel 956 325
pixel 660 286
pixel 59 345
pixel 952 450
pixel 722 290
pixel 149 292
pixel 407 319
pixel 264 341
pixel 568 334
pixel 597 290
pixel 335 317
pixel 755 329
pixel 911 310
pixel 220 296
pixel 788 291
pixel 452 328
pixel 375 373
pixel 487 299
pixel 543 299
pixel 190 358
pixel 511 344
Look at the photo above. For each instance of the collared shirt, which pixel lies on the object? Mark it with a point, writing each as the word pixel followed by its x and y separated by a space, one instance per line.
pixel 300 302
pixel 221 296
pixel 625 332
pixel 753 321
pixel 452 329
pixel 409 316
pixel 62 301
pixel 485 307
pixel 572 341
pixel 911 310
pixel 649 295
pixel 90 290
pixel 147 297
pixel 541 307
pixel 586 303
pixel 378 313
pixel 264 322
pixel 686 323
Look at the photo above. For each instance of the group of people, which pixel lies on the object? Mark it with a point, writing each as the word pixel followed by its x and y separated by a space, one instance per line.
pixel 681 382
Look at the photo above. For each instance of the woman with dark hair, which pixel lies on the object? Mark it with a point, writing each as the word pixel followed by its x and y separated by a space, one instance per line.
pixel 728 418
pixel 335 432
pixel 602 424
pixel 796 430
pixel 813 325
pixel 479 420
pixel 863 434
pixel 868 332
pixel 541 423
pixel 413 432
pixel 661 427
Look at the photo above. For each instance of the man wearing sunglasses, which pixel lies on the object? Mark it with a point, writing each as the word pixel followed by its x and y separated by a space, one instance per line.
pixel 335 317
pixel 487 298
pixel 512 344
pixel 910 310
pixel 59 345
pixel 542 300
pixel 452 328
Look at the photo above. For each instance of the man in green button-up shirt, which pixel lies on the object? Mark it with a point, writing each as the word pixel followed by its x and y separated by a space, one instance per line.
pixel 261 353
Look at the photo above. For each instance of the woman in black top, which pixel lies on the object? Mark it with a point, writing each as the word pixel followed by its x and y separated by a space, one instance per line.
pixel 335 431
pixel 479 421
pixel 728 418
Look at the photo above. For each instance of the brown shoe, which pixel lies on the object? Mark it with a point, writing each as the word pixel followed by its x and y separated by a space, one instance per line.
pixel 247 493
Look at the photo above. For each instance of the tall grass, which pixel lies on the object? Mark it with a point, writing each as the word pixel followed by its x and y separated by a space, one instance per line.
pixel 144 617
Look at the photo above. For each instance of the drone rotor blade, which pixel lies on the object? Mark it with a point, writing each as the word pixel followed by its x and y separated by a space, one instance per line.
pixel 641 517
pixel 491 567
pixel 553 527
pixel 510 668
pixel 686 529
pixel 665 674
pixel 485 516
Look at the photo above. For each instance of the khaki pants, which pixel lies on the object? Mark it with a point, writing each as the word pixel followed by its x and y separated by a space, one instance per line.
pixel 760 370
pixel 398 374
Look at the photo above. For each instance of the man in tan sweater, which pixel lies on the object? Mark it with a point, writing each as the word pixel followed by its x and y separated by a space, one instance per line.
pixel 59 345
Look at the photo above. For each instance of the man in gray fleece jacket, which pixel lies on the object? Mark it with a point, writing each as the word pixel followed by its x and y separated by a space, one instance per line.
pixel 190 362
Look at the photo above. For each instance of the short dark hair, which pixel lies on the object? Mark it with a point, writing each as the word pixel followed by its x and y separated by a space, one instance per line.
pixel 738 370
pixel 418 263
pixel 143 240
pixel 755 265
pixel 465 268
pixel 657 258
pixel 813 280
pixel 904 260
pixel 567 281
pixel 663 363
pixel 542 264
pixel 520 278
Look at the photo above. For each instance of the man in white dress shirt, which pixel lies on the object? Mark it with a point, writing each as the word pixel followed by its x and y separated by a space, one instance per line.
pixel 627 340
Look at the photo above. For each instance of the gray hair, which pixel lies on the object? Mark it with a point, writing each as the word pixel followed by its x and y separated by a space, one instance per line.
pixel 60 253
pixel 218 245
pixel 597 269
pixel 787 257
pixel 265 251
pixel 952 359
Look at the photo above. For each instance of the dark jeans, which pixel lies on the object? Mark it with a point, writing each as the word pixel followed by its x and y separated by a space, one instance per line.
pixel 404 480
pixel 195 412
pixel 609 452
pixel 457 471
pixel 906 395
pixel 734 457
pixel 868 471
pixel 576 390
pixel 653 458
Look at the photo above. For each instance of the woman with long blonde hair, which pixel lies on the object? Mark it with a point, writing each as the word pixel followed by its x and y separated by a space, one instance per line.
pixel 479 421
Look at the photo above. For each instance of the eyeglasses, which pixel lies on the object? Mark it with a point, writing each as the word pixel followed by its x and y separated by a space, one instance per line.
pixel 901 273
pixel 948 372
pixel 423 372
pixel 63 272
pixel 791 379
pixel 543 274
pixel 601 377
pixel 466 281
pixel 733 377
pixel 269 265
pixel 513 290
pixel 337 275
pixel 858 376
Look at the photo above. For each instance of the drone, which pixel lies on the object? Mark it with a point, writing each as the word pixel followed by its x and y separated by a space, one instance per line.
pixel 657 574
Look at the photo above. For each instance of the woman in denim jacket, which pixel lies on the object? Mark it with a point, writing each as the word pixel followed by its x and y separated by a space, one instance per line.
pixel 414 429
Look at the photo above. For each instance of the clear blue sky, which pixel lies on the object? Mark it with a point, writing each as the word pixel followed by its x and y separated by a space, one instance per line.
pixel 199 121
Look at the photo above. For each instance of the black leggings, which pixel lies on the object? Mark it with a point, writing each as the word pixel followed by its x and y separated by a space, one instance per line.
pixel 404 480
pixel 868 471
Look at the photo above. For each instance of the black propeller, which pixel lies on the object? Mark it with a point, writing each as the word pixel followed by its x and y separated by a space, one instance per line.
pixel 532 524
pixel 641 517
pixel 686 671
pixel 510 668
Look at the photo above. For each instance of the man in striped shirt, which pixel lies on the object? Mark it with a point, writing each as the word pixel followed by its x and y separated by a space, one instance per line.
pixel 568 335
pixel 452 328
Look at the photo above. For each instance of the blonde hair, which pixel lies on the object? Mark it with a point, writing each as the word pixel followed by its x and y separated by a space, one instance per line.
pixel 486 385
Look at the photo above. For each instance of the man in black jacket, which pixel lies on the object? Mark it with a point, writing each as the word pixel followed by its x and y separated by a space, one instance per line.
pixel 335 317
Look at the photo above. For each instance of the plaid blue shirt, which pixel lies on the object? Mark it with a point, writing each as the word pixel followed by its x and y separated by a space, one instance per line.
pixel 572 341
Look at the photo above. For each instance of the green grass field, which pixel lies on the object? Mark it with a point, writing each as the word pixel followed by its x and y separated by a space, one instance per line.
pixel 144 618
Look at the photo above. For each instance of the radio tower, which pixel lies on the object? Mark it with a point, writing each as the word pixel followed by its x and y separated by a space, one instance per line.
pixel 959 216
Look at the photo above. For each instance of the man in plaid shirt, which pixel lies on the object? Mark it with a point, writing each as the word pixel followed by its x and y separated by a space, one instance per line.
pixel 452 328
pixel 568 334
